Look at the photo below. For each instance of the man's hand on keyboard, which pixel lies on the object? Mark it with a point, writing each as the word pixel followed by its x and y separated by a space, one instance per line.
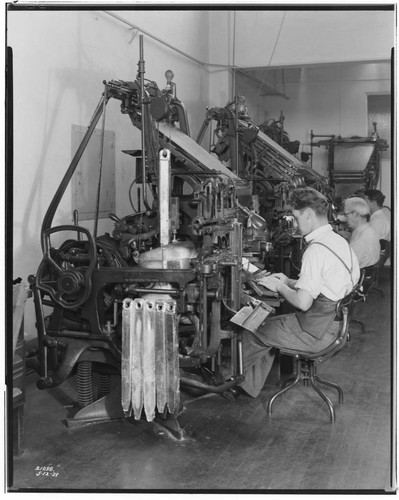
pixel 270 282
pixel 282 277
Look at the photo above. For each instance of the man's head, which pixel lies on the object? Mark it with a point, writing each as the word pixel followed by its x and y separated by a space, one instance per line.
pixel 356 211
pixel 374 198
pixel 310 209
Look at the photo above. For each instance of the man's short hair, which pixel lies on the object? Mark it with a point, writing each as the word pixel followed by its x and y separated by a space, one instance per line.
pixel 309 198
pixel 375 195
pixel 358 205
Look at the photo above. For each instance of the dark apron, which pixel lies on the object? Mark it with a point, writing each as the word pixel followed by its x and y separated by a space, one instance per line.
pixel 319 317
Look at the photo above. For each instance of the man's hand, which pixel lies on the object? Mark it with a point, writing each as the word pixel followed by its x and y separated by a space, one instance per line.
pixel 260 275
pixel 270 282
pixel 282 277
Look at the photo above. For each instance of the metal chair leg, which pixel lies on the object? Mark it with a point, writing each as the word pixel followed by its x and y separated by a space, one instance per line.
pixel 285 382
pixel 285 389
pixel 377 290
pixel 354 320
pixel 320 392
pixel 314 379
pixel 325 398
pixel 331 384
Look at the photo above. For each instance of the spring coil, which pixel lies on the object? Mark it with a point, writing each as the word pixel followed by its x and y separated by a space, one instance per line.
pixel 104 385
pixel 84 383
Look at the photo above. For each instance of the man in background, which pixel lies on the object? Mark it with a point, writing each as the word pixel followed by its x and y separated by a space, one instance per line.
pixel 363 240
pixel 379 219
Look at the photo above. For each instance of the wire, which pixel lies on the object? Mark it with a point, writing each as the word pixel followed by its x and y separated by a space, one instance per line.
pixel 234 90
pixel 273 51
pixel 278 36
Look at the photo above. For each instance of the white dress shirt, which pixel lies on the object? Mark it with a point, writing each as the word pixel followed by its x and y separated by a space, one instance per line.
pixel 366 245
pixel 381 223
pixel 322 271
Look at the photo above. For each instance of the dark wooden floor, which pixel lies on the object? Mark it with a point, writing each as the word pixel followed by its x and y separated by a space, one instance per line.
pixel 233 445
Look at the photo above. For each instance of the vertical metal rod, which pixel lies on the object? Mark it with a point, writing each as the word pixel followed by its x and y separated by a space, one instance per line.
pixel 234 358
pixel 76 222
pixel 164 176
pixel 237 137
pixel 41 331
pixel 236 247
pixel 100 166
pixel 234 83
pixel 143 120
pixel 240 359
pixel 311 149
pixel 204 336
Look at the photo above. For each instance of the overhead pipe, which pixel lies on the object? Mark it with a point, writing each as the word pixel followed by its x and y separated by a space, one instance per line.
pixel 134 26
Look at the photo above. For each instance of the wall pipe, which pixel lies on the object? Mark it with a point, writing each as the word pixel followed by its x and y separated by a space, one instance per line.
pixel 134 26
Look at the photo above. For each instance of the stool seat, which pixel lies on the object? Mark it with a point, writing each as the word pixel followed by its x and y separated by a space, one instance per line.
pixel 306 364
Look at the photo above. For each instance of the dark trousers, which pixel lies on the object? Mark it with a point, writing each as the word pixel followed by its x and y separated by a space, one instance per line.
pixel 281 332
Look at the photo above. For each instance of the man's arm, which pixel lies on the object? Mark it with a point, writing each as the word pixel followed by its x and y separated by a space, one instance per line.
pixel 299 298
pixel 284 279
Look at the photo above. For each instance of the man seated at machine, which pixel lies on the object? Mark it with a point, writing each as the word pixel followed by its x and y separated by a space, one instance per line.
pixel 363 239
pixel 329 271
pixel 380 221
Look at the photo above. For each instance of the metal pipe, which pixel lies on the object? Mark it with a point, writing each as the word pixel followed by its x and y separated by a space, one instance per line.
pixel 211 388
pixel 237 137
pixel 41 330
pixel 236 270
pixel 166 291
pixel 204 336
pixel 164 196
pixel 240 357
pixel 234 82
pixel 100 165
pixel 204 64
pixel 76 222
pixel 234 351
pixel 143 122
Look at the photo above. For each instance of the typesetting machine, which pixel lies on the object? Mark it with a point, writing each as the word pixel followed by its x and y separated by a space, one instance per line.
pixel 144 312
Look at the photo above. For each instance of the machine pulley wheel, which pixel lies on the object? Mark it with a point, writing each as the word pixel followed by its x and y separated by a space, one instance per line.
pixel 68 284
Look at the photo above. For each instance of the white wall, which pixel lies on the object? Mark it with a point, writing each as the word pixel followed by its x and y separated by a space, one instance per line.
pixel 309 37
pixel 60 61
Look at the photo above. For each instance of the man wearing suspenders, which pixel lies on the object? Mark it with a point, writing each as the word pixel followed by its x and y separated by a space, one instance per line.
pixel 329 271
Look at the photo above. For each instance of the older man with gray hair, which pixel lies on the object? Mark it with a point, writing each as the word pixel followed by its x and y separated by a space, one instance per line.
pixel 363 240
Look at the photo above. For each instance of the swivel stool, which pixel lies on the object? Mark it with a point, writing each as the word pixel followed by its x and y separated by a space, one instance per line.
pixel 306 363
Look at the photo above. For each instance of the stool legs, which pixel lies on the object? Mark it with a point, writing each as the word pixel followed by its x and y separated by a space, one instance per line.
pixel 286 388
pixel 325 398
pixel 308 373
pixel 354 320
pixel 331 384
